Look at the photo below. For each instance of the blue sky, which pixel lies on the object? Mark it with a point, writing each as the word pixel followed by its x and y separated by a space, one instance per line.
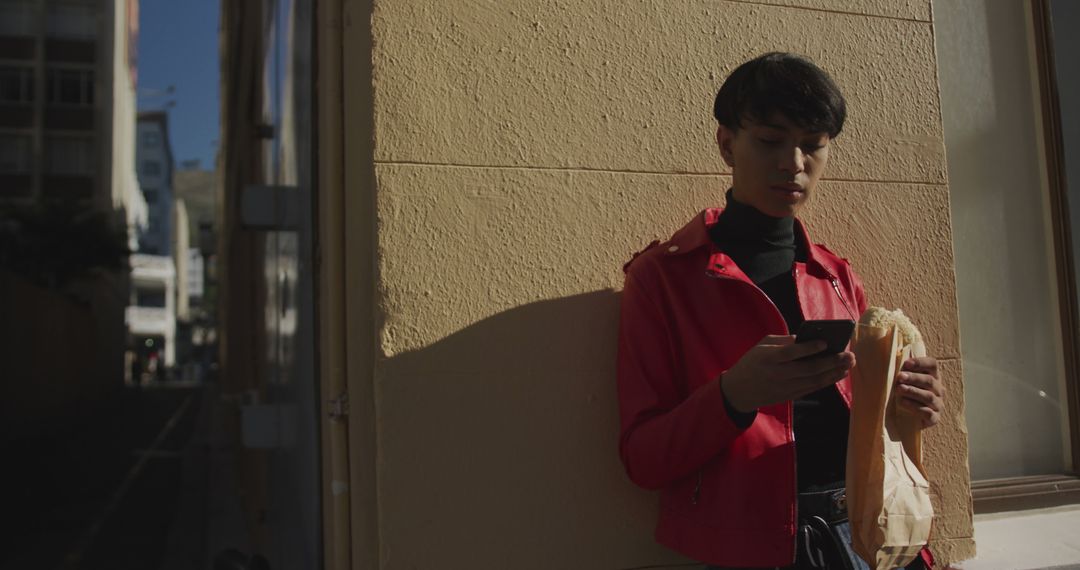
pixel 178 45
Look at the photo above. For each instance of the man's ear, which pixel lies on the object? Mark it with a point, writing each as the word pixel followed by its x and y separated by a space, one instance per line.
pixel 725 139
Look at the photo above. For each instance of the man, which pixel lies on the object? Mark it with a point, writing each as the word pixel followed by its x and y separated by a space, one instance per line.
pixel 739 427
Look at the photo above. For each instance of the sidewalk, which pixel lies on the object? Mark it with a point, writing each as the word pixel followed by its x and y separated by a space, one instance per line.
pixel 1035 539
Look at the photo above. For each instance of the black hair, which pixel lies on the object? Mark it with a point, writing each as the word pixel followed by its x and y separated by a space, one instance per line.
pixel 782 83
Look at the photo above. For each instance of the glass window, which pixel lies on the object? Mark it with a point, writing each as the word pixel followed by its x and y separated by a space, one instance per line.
pixel 151 168
pixel 69 156
pixel 151 138
pixel 1006 268
pixel 1065 16
pixel 16 84
pixel 150 298
pixel 17 18
pixel 70 86
pixel 71 19
pixel 151 196
pixel 14 154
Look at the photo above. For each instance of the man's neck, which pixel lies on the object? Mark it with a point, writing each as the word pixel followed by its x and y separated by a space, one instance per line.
pixel 743 224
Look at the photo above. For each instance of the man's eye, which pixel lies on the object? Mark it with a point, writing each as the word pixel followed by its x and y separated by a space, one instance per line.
pixel 812 148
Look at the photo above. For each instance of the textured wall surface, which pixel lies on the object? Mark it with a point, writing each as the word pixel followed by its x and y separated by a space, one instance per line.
pixel 629 86
pixel 524 151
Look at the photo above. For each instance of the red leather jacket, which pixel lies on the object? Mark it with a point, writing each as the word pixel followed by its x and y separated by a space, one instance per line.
pixel 727 495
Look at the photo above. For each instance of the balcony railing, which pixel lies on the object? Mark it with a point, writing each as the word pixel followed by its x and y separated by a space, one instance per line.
pixel 149 320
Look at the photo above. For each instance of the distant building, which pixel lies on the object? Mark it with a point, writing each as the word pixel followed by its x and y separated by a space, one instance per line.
pixel 196 189
pixel 67 137
pixel 195 274
pixel 151 316
pixel 67 105
pixel 181 241
pixel 158 297
pixel 154 161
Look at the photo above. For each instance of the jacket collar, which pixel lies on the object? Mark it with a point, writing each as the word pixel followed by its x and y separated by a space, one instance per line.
pixel 695 235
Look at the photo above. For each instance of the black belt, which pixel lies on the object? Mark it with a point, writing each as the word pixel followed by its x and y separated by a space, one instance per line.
pixel 820 545
pixel 830 505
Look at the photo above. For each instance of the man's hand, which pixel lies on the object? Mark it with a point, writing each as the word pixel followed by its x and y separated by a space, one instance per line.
pixel 920 389
pixel 772 372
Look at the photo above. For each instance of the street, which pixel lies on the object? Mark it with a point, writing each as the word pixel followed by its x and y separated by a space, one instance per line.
pixel 103 490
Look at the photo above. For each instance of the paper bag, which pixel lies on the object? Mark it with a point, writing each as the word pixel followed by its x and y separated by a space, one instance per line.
pixel 888 495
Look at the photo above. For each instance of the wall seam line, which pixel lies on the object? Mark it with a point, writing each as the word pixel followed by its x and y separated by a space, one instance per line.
pixel 870 181
pixel 545 168
pixel 618 171
pixel 827 11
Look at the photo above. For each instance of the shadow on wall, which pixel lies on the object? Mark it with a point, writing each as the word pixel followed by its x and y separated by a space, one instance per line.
pixel 498 446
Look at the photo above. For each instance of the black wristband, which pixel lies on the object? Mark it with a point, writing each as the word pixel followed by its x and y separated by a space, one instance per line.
pixel 742 420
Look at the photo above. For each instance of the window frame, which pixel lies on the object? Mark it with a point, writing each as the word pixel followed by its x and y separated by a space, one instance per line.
pixel 91 156
pixel 87 86
pixel 26 83
pixel 57 26
pixel 151 168
pixel 21 11
pixel 29 151
pixel 1038 491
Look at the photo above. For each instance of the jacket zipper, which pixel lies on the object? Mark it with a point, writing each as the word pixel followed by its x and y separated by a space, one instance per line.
pixel 763 296
pixel 791 423
pixel 794 456
pixel 794 489
pixel 791 430
pixel 836 287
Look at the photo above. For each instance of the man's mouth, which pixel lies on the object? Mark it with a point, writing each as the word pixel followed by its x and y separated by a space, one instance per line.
pixel 790 187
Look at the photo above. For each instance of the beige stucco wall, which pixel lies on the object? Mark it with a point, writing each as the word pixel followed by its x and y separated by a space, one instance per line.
pixel 522 152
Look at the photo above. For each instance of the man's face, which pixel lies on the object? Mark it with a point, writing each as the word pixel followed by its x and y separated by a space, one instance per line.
pixel 775 164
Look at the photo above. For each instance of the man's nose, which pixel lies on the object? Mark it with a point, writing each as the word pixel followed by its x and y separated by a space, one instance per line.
pixel 793 161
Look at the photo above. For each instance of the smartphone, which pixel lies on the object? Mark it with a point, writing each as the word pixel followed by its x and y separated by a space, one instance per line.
pixel 836 334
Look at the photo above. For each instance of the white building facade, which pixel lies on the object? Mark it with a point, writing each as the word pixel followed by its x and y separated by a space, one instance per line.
pixel 151 317
pixel 152 311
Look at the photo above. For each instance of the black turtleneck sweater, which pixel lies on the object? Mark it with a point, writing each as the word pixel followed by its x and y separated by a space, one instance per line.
pixel 765 249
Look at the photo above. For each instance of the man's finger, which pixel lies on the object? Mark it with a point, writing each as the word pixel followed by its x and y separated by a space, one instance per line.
pixel 924 365
pixel 809 384
pixel 929 416
pixel 914 405
pixel 828 375
pixel 819 364
pixel 800 350
pixel 919 408
pixel 918 395
pixel 924 381
pixel 777 340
